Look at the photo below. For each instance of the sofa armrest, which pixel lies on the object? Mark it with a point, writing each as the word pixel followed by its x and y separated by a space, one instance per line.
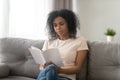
pixel 4 70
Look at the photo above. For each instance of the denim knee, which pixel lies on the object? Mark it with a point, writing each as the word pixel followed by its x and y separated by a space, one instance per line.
pixel 50 67
pixel 49 73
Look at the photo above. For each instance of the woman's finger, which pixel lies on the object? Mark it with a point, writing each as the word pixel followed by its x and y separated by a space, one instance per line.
pixel 48 63
pixel 41 67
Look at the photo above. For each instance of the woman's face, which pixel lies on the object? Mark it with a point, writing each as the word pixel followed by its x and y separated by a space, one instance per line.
pixel 61 27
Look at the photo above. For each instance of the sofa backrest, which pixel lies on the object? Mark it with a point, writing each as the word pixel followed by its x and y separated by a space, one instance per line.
pixel 103 61
pixel 14 52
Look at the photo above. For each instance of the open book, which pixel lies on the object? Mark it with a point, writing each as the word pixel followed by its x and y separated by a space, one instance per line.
pixel 41 57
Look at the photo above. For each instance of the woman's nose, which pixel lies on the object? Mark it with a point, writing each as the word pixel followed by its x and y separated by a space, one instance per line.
pixel 58 27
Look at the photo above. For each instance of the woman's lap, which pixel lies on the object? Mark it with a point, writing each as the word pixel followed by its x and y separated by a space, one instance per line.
pixel 50 73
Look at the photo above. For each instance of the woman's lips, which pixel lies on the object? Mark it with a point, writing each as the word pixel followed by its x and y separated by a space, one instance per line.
pixel 60 32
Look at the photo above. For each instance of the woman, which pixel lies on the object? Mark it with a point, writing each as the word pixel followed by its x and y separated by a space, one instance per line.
pixel 62 28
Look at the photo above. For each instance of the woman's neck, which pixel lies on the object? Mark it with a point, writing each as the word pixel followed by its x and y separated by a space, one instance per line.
pixel 64 37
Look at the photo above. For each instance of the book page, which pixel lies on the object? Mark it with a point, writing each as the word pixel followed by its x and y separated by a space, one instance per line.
pixel 53 55
pixel 37 56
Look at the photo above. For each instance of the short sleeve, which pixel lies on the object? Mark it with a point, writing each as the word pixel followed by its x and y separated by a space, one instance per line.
pixel 83 44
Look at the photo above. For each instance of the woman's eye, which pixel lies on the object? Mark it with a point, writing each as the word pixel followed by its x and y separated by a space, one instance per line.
pixel 54 25
pixel 61 23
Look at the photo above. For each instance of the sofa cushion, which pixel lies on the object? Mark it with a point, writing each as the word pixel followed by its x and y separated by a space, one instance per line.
pixel 103 61
pixel 14 52
pixel 4 70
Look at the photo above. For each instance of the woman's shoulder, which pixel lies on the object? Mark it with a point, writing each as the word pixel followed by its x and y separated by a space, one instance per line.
pixel 80 38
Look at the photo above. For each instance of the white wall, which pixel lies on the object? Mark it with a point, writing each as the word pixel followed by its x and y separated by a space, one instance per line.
pixel 97 15
pixel 4 18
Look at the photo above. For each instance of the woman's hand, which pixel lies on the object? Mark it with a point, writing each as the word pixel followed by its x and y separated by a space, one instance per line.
pixel 48 63
pixel 42 66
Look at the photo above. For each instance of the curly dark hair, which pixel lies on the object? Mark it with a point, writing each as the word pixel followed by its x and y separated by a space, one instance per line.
pixel 69 16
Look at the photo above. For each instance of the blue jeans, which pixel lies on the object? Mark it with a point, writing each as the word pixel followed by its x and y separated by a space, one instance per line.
pixel 50 73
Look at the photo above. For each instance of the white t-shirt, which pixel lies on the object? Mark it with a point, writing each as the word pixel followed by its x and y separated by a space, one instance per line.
pixel 68 49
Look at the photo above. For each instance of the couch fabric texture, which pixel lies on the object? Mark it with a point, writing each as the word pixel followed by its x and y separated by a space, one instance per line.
pixel 15 56
pixel 103 61
pixel 16 62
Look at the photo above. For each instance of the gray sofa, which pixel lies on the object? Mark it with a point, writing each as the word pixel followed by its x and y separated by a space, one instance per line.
pixel 16 62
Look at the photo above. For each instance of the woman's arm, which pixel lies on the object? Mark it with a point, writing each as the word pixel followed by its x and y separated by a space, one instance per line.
pixel 80 58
